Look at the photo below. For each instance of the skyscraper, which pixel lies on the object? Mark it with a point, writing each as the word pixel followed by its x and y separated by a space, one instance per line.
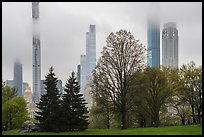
pixel 18 78
pixel 153 35
pixel 83 73
pixel 88 61
pixel 36 53
pixel 78 73
pixel 170 45
pixel 59 87
pixel 10 83
pixel 91 49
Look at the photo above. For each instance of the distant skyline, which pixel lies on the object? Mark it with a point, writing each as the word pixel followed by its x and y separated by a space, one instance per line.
pixel 63 27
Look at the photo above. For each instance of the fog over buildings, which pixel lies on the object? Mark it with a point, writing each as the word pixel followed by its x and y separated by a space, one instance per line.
pixel 153 35
pixel 63 28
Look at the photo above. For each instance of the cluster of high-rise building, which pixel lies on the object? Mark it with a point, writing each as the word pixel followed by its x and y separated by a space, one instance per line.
pixel 87 65
pixel 22 88
pixel 88 60
pixel 169 41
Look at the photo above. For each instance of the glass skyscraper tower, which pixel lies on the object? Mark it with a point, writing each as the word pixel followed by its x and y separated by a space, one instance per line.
pixel 170 45
pixel 36 54
pixel 88 61
pixel 153 35
pixel 18 78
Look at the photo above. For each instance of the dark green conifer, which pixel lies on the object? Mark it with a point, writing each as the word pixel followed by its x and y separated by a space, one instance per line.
pixel 73 106
pixel 49 113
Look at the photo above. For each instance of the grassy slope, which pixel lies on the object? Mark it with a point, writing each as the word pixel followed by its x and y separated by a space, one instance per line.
pixel 171 130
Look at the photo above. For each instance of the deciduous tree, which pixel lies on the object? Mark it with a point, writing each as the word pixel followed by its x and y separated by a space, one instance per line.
pixel 14 111
pixel 121 57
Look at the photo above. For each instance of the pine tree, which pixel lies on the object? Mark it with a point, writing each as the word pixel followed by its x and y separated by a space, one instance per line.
pixel 74 107
pixel 49 112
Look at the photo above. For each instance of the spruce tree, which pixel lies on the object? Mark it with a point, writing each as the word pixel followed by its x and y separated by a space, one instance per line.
pixel 73 106
pixel 49 112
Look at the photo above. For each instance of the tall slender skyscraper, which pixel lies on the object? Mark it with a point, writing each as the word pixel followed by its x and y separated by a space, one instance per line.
pixel 88 61
pixel 170 45
pixel 91 50
pixel 153 35
pixel 36 53
pixel 83 73
pixel 78 73
pixel 18 78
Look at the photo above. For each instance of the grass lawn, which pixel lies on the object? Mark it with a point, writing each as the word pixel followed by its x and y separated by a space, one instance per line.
pixel 168 130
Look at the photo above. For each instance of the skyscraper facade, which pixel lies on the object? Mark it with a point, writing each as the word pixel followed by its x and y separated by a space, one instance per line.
pixel 83 73
pixel 153 36
pixel 88 61
pixel 18 78
pixel 10 83
pixel 36 53
pixel 59 87
pixel 78 74
pixel 170 45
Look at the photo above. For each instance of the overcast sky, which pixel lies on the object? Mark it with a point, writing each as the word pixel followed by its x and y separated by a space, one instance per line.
pixel 63 28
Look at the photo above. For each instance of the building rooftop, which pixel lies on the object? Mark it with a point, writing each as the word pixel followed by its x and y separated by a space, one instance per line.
pixel 170 25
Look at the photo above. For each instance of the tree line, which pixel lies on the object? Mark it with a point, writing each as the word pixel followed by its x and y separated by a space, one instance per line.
pixel 54 114
pixel 127 93
pixel 67 114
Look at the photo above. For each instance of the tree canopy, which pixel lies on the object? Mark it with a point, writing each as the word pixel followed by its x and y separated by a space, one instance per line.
pixel 121 57
pixel 14 109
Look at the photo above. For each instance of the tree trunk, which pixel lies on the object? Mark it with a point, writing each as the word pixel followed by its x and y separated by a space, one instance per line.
pixel 108 119
pixel 152 121
pixel 144 122
pixel 183 121
pixel 123 120
pixel 10 120
pixel 193 113
pixel 198 109
pixel 6 125
pixel 156 121
pixel 123 115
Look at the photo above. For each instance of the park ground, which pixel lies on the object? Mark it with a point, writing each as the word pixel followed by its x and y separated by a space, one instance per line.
pixel 167 130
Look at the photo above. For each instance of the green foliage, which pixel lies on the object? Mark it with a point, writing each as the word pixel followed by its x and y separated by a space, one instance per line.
pixel 103 107
pixel 158 93
pixel 97 118
pixel 169 120
pixel 49 113
pixel 7 93
pixel 17 105
pixel 68 114
pixel 14 111
pixel 151 95
pixel 137 92
pixel 192 89
pixel 73 106
pixel 155 95
pixel 122 56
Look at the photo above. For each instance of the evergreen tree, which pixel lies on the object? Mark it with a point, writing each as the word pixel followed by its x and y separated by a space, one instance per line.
pixel 73 106
pixel 49 112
